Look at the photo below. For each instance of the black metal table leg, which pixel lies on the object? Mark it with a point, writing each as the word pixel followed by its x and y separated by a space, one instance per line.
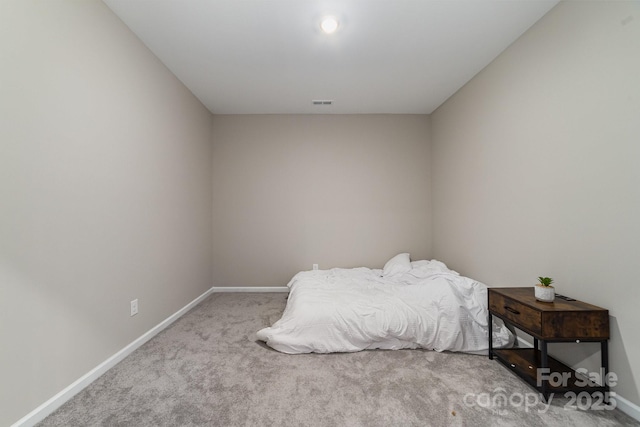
pixel 544 365
pixel 604 356
pixel 490 336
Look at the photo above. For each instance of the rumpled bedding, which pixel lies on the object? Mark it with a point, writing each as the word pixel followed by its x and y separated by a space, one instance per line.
pixel 347 310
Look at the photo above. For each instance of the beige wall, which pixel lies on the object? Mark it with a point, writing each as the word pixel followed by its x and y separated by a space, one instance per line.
pixel 339 191
pixel 105 195
pixel 535 170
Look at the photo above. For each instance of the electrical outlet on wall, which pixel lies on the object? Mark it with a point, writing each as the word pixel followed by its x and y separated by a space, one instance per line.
pixel 315 266
pixel 134 307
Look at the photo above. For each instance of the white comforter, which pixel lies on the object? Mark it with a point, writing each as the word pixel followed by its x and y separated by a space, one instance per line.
pixel 346 310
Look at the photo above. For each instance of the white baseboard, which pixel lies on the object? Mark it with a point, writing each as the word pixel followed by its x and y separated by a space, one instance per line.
pixel 250 289
pixel 627 407
pixel 41 412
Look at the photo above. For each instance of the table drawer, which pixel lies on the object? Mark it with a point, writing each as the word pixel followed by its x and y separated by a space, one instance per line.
pixel 516 312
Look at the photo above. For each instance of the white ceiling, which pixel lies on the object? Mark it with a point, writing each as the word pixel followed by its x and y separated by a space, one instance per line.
pixel 269 56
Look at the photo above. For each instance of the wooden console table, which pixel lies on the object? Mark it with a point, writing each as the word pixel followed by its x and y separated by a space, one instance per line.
pixel 558 321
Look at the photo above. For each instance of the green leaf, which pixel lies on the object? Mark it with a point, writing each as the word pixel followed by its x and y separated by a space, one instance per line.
pixel 545 281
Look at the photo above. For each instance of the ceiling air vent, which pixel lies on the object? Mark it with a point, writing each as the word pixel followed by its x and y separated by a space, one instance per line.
pixel 322 102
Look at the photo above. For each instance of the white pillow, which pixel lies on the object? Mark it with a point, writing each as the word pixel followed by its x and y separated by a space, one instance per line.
pixel 420 264
pixel 425 269
pixel 399 264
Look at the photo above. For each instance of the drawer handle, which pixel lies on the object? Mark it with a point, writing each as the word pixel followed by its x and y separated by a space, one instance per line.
pixel 512 310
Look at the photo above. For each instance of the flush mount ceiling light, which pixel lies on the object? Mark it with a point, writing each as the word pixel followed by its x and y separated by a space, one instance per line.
pixel 329 24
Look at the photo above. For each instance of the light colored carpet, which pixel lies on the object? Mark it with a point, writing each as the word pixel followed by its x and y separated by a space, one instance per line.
pixel 208 370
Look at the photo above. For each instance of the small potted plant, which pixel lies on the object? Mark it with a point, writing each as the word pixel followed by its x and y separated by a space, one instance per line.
pixel 544 291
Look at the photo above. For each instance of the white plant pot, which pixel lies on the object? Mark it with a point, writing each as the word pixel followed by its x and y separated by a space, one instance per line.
pixel 545 293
